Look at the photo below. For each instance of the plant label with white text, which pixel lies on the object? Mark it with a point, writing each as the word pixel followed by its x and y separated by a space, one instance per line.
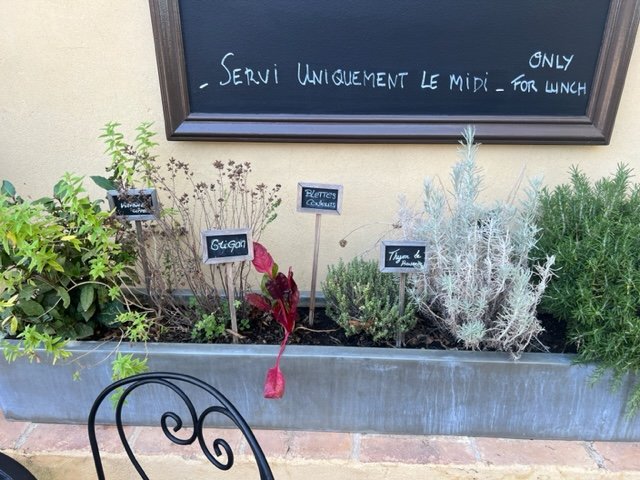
pixel 319 198
pixel 402 256
pixel 134 204
pixel 226 246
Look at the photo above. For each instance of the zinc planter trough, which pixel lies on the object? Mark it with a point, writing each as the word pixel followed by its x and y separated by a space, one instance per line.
pixel 345 389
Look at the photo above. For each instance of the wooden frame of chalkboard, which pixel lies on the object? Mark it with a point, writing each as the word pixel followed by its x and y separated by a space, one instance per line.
pixel 114 197
pixel 593 124
pixel 414 245
pixel 246 250
pixel 326 205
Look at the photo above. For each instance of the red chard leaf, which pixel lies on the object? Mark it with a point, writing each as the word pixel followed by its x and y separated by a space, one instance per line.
pixel 258 301
pixel 262 260
pixel 274 383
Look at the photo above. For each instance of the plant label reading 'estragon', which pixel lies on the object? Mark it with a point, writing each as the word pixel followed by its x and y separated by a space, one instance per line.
pixel 134 204
pixel 319 198
pixel 402 256
pixel 226 246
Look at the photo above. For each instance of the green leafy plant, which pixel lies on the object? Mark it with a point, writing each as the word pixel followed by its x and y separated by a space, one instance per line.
pixel 360 298
pixel 208 328
pixel 593 229
pixel 478 283
pixel 62 266
pixel 31 340
pixel 136 325
pixel 131 165
pixel 124 366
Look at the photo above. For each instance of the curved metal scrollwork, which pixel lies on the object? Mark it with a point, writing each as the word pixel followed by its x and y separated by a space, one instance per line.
pixel 221 454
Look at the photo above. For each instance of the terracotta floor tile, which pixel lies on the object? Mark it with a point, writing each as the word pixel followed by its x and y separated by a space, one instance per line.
pixel 57 438
pixel 321 445
pixel 274 443
pixel 109 440
pixel 415 449
pixel 619 456
pixel 501 451
pixel 10 432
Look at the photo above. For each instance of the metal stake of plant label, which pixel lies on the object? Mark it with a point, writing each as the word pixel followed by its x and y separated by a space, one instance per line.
pixel 314 271
pixel 232 297
pixel 143 256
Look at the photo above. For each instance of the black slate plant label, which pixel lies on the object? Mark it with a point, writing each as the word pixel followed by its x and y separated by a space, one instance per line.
pixel 319 198
pixel 134 204
pixel 402 256
pixel 226 246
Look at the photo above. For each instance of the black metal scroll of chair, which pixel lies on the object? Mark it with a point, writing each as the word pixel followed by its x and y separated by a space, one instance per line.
pixel 177 382
pixel 12 470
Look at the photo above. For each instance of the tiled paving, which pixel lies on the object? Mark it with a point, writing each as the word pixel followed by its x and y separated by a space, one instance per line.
pixel 584 459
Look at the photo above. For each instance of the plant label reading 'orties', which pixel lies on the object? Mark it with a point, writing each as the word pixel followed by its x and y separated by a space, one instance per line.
pixel 134 204
pixel 319 198
pixel 402 256
pixel 226 246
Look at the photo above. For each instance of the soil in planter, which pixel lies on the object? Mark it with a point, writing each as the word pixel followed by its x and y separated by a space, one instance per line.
pixel 425 335
pixel 263 330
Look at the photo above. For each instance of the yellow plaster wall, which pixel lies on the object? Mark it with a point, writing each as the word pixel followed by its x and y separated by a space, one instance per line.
pixel 69 66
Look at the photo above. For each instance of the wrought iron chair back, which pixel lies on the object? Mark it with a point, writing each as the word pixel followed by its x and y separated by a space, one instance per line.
pixel 176 382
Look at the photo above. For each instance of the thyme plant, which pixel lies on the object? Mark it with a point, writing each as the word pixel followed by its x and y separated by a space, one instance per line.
pixel 360 298
pixel 478 284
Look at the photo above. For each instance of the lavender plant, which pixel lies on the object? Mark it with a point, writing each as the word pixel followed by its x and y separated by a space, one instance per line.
pixel 478 284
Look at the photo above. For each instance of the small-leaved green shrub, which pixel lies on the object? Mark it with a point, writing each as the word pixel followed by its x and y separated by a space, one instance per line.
pixel 360 298
pixel 61 266
pixel 477 283
pixel 593 229
pixel 64 264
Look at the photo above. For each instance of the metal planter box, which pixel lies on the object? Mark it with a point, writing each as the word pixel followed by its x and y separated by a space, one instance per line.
pixel 347 389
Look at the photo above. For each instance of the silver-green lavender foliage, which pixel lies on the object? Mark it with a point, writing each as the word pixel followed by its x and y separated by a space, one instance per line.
pixel 360 298
pixel 478 283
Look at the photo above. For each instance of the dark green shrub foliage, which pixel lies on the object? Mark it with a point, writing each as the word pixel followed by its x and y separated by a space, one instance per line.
pixel 361 298
pixel 594 232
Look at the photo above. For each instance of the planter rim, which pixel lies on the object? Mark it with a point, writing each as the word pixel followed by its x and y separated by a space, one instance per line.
pixel 316 351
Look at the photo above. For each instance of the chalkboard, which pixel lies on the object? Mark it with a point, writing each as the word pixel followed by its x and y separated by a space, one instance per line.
pixel 134 204
pixel 522 71
pixel 402 256
pixel 226 246
pixel 319 198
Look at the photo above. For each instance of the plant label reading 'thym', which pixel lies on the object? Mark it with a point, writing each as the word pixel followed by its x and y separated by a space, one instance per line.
pixel 402 256
pixel 134 204
pixel 226 246
pixel 319 198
